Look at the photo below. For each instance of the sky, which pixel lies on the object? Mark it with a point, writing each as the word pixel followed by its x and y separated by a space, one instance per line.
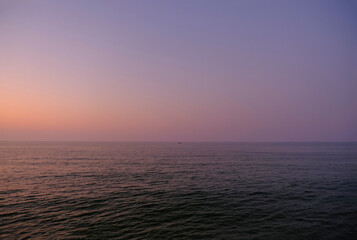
pixel 178 70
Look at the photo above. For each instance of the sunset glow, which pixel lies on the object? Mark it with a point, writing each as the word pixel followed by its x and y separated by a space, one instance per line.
pixel 178 70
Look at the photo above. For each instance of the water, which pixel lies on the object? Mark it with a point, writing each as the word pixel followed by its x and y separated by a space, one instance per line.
pixel 178 191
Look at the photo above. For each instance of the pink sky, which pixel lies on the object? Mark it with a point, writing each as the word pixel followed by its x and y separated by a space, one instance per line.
pixel 178 70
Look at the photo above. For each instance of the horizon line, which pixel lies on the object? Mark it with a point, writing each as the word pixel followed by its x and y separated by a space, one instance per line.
pixel 175 141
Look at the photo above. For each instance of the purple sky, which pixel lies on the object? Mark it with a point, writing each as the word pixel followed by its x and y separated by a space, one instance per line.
pixel 178 70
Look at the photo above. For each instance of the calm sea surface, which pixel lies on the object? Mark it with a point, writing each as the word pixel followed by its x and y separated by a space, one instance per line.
pixel 178 191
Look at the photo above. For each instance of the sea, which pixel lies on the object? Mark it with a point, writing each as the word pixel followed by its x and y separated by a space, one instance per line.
pixel 188 190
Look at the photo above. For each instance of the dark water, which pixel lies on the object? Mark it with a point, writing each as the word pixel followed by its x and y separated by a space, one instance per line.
pixel 178 191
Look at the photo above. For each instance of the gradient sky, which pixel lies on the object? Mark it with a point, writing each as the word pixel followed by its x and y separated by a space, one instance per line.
pixel 178 70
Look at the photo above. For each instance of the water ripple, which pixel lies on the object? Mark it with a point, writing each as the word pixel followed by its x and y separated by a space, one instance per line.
pixel 178 191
